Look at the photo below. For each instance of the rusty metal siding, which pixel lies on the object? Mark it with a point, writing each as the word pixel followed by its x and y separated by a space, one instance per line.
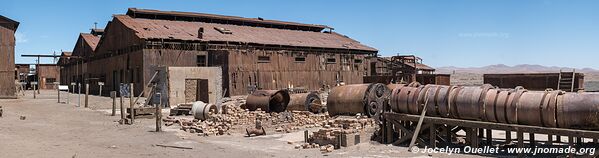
pixel 531 81
pixel 7 66
pixel 283 71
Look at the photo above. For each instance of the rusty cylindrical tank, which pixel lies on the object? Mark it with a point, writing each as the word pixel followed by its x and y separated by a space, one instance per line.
pixel 352 99
pixel 305 102
pixel 468 102
pixel 268 100
pixel 578 110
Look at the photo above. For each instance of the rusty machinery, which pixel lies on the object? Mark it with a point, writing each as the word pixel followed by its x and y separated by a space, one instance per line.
pixel 268 100
pixel 472 109
pixel 306 102
pixel 353 99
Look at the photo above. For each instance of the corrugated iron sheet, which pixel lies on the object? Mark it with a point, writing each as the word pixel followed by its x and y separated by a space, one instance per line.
pixel 91 40
pixel 183 30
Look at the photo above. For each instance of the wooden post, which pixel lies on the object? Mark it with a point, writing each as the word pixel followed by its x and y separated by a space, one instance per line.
pixel 531 137
pixel 122 109
pixel 571 144
pixel 58 94
pixel 113 96
pixel 520 136
pixel 158 113
pixel 508 137
pixel 131 105
pixel 86 95
pixel 550 139
pixel 489 137
pixel 100 91
pixel 306 136
pixel 34 91
pixel 433 136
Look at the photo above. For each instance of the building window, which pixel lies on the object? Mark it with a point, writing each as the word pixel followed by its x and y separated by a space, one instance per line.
pixel 358 61
pixel 50 80
pixel 331 60
pixel 300 59
pixel 201 60
pixel 263 59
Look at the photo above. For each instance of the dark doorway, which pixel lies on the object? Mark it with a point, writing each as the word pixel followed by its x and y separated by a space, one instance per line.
pixel 196 90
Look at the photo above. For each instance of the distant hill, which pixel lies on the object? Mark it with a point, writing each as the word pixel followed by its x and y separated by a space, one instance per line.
pixel 501 68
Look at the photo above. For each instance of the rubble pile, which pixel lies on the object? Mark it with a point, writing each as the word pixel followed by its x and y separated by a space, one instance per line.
pixel 234 117
pixel 334 128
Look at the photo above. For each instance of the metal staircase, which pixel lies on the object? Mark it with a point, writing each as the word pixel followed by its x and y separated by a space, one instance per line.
pixel 566 80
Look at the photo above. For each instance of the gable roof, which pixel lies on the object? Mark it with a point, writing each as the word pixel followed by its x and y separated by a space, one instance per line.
pixel 91 40
pixel 12 24
pixel 222 19
pixel 188 31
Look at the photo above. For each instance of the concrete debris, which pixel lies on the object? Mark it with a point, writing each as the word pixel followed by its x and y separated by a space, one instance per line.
pixel 327 148
pixel 22 117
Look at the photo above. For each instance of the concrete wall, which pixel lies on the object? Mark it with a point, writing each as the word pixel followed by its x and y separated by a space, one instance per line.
pixel 176 82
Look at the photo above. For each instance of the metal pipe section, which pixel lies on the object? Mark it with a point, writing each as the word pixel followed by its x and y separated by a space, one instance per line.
pixel 353 99
pixel 268 100
pixel 201 110
pixel 306 102
pixel 486 103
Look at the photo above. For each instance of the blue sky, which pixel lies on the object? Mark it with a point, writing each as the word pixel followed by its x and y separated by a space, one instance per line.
pixel 464 33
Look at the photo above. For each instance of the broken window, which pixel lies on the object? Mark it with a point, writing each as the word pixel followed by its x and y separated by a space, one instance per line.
pixel 263 59
pixel 300 59
pixel 358 61
pixel 331 60
pixel 201 60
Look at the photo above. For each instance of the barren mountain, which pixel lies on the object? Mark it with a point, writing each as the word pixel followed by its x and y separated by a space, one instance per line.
pixel 501 68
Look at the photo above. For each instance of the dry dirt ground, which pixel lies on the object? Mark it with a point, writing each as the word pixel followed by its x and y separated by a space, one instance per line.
pixel 52 129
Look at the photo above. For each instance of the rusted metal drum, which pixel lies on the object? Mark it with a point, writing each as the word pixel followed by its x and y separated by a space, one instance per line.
pixel 427 98
pixel 529 107
pixel 357 98
pixel 500 105
pixel 511 109
pixel 443 100
pixel 305 102
pixel 453 113
pixel 548 111
pixel 201 110
pixel 481 102
pixel 394 96
pixel 578 110
pixel 468 102
pixel 268 100
pixel 489 104
pixel 413 94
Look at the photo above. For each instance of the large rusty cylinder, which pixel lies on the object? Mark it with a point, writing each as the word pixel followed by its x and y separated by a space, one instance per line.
pixel 529 107
pixel 578 110
pixel 357 98
pixel 468 102
pixel 268 100
pixel 511 110
pixel 489 104
pixel 443 100
pixel 305 102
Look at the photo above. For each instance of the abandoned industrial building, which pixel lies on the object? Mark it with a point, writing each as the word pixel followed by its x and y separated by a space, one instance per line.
pixel 8 27
pixel 253 53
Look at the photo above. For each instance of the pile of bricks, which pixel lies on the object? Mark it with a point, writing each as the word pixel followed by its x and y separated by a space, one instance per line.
pixel 340 126
pixel 233 117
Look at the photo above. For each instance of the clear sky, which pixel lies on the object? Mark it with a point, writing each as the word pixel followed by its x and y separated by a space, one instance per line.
pixel 463 33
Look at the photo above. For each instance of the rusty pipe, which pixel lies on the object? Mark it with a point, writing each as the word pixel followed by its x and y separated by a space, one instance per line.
pixel 268 100
pixel 357 98
pixel 305 102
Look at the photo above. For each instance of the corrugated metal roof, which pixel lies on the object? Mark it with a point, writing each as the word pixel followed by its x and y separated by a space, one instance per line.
pixel 183 30
pixel 135 12
pixel 91 40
